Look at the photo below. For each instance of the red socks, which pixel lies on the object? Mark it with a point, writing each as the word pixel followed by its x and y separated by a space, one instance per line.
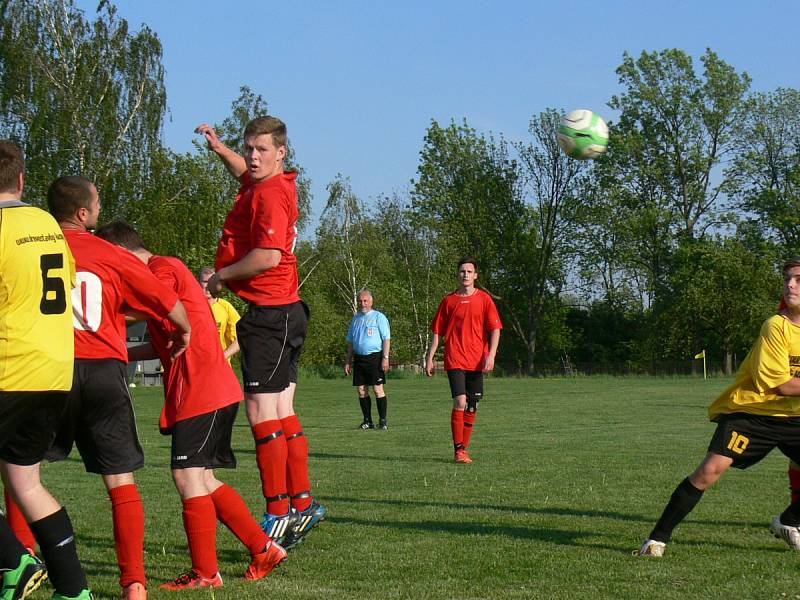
pixel 271 454
pixel 200 523
pixel 457 427
pixel 127 512
pixel 18 523
pixel 297 478
pixel 794 486
pixel 234 514
pixel 469 421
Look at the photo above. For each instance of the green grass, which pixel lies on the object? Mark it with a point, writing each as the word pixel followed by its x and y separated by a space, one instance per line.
pixel 568 479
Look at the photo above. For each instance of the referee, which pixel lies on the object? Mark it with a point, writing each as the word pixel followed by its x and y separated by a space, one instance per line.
pixel 368 340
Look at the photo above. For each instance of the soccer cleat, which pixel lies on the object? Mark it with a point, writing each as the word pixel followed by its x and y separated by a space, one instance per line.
pixel 277 527
pixel 192 580
pixel 384 425
pixel 652 548
pixel 135 591
pixel 84 595
pixel 462 457
pixel 788 533
pixel 263 563
pixel 367 425
pixel 21 582
pixel 305 521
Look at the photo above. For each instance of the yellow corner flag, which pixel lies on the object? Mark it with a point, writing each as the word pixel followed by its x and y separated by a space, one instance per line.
pixel 701 355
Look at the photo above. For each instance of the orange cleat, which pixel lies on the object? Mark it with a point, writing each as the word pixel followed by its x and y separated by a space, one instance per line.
pixel 462 457
pixel 191 580
pixel 263 563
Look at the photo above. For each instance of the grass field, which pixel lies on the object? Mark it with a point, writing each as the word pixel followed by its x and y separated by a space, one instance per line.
pixel 569 476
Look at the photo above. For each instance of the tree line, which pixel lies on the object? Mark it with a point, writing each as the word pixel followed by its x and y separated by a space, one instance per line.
pixel 668 245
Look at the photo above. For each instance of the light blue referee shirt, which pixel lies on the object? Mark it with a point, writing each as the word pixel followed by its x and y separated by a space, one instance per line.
pixel 367 332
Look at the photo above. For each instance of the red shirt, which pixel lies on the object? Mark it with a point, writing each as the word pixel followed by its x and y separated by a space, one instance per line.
pixel 264 215
pixel 110 280
pixel 465 323
pixel 200 380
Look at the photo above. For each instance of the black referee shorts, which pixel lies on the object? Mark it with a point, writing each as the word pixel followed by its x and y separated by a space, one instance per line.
pixel 100 420
pixel 748 438
pixel 367 369
pixel 270 339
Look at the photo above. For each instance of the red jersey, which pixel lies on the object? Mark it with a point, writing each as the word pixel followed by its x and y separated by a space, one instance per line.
pixel 465 323
pixel 110 280
pixel 264 215
pixel 200 380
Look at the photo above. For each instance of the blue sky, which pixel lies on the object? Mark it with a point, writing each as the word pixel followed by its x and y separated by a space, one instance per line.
pixel 358 82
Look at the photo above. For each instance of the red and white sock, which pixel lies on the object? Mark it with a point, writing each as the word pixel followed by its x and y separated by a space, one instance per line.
pixel 271 455
pixel 234 514
pixel 297 480
pixel 127 511
pixel 457 427
pixel 200 523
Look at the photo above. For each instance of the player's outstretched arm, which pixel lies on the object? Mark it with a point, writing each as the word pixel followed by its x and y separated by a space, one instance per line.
pixel 232 160
pixel 251 264
pixel 179 339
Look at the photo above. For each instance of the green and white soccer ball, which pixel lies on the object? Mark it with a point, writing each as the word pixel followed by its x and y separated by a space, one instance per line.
pixel 582 134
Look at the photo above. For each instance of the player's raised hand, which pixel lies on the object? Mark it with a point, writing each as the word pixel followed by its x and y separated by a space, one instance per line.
pixel 208 132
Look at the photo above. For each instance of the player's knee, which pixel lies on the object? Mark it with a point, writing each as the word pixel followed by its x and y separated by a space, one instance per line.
pixel 460 402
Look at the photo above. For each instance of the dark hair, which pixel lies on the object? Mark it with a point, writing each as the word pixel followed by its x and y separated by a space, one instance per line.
pixel 205 271
pixel 468 260
pixel 792 261
pixel 267 125
pixel 121 234
pixel 12 163
pixel 67 194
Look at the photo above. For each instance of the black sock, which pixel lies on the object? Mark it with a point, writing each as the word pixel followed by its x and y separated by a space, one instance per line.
pixel 366 408
pixel 56 540
pixel 791 516
pixel 10 547
pixel 381 402
pixel 683 500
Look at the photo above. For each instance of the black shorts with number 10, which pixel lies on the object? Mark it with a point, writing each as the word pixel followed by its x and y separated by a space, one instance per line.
pixel 270 339
pixel 748 438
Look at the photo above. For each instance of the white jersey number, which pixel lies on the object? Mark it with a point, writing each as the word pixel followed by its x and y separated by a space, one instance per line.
pixel 87 302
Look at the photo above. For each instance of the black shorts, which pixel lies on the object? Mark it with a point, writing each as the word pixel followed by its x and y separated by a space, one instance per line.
pixel 100 420
pixel 367 369
pixel 466 383
pixel 270 339
pixel 748 438
pixel 28 424
pixel 205 440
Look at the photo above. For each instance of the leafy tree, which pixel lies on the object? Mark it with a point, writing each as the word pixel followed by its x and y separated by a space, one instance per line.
pixel 82 97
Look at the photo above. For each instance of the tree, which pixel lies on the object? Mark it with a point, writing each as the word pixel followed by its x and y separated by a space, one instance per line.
pixel 82 97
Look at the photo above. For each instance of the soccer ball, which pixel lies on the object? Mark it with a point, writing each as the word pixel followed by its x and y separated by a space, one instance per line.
pixel 582 134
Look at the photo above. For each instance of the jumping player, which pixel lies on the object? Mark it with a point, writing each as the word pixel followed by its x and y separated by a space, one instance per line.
pixel 368 342
pixel 469 322
pixel 256 260
pixel 100 416
pixel 759 412
pixel 201 399
pixel 36 361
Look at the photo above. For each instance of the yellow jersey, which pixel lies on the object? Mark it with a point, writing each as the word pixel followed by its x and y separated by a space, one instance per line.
pixel 773 360
pixel 36 275
pixel 226 317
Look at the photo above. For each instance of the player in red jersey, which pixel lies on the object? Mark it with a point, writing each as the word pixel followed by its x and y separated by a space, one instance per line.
pixel 201 399
pixel 101 419
pixel 256 260
pixel 469 322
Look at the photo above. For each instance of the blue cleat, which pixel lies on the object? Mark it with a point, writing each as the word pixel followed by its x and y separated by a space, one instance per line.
pixel 277 527
pixel 305 521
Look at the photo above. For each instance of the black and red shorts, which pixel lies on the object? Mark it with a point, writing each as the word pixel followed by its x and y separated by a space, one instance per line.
pixel 28 424
pixel 270 339
pixel 367 369
pixel 100 420
pixel 748 438
pixel 205 440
